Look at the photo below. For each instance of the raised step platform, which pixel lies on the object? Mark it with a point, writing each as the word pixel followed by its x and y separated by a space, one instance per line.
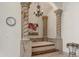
pixel 43 48
pixel 42 44
pixel 44 52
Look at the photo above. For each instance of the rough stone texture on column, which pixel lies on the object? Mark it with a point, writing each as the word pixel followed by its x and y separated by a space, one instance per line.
pixel 45 20
pixel 58 30
pixel 24 17
pixel 58 22
pixel 24 30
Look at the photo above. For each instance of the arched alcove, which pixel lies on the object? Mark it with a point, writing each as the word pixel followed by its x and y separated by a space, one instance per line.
pixel 25 20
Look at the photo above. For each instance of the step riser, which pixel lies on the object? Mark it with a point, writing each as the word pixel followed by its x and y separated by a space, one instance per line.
pixel 39 48
pixel 42 48
pixel 44 52
pixel 43 45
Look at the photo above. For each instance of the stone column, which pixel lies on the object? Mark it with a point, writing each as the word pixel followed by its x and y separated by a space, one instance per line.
pixel 58 30
pixel 24 30
pixel 24 17
pixel 58 23
pixel 45 20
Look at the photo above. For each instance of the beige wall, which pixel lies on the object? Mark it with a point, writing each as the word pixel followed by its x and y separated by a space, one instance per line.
pixel 48 10
pixel 34 19
pixel 51 24
pixel 10 36
pixel 70 24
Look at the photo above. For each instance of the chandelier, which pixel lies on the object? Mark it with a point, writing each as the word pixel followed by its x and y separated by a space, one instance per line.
pixel 38 11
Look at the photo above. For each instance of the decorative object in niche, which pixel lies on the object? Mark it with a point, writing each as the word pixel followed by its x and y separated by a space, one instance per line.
pixel 33 29
pixel 33 33
pixel 11 21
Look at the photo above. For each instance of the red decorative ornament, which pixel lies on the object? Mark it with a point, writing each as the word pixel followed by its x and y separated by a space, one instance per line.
pixel 32 26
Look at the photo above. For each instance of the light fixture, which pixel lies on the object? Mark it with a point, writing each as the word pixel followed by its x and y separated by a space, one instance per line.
pixel 38 11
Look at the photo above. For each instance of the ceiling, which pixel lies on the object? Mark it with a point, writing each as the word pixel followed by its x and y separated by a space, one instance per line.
pixel 45 6
pixel 59 4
